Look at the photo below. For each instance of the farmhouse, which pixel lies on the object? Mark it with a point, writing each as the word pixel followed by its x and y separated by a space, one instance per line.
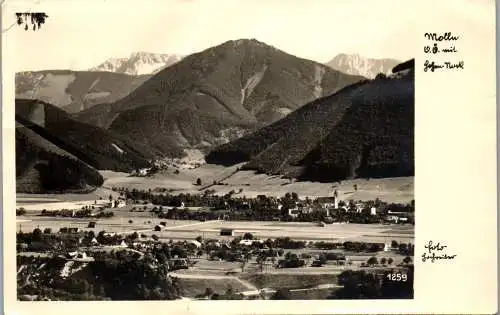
pixel 120 203
pixel 250 242
pixel 294 212
pixel 141 172
pixel 226 232
pixel 68 230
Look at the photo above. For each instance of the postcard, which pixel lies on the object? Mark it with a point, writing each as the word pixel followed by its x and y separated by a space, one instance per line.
pixel 249 157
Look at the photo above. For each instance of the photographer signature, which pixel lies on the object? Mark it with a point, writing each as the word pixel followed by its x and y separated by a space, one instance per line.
pixel 436 252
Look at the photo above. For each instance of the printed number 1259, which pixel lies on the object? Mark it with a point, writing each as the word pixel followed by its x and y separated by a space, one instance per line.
pixel 397 276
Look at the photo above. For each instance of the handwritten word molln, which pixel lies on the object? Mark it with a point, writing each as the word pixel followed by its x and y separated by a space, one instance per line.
pixel 443 44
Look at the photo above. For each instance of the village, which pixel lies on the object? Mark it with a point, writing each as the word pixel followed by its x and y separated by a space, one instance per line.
pixel 208 238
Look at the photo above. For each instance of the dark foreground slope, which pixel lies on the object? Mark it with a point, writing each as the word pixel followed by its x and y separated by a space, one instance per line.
pixel 217 95
pixel 97 147
pixel 364 130
pixel 42 166
pixel 120 276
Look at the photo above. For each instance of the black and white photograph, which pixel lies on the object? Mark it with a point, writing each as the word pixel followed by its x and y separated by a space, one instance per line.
pixel 234 171
pixel 203 150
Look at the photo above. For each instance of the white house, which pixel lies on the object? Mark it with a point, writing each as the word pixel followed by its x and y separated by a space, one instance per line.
pixel 294 212
pixel 250 242
pixel 392 218
pixel 387 247
pixel 359 207
pixel 373 211
pixel 143 171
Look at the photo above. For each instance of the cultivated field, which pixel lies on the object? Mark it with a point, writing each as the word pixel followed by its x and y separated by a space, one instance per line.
pixel 304 282
pixel 38 202
pixel 399 190
pixel 391 190
pixel 143 222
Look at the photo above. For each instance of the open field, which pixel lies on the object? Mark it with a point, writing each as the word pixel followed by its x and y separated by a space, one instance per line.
pixel 38 202
pixel 143 222
pixel 289 281
pixel 398 190
pixel 304 283
pixel 191 287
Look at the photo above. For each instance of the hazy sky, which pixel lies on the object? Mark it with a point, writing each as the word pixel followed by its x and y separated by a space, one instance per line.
pixel 80 34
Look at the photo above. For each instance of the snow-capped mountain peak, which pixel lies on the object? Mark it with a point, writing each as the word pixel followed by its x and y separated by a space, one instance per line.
pixel 356 64
pixel 138 63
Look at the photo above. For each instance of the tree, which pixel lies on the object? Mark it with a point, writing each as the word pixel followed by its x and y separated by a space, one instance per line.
pixel 281 294
pixel 403 248
pixel 47 231
pixel 229 293
pixel 390 261
pixel 110 197
pixel 37 234
pixel 199 238
pixel 394 244
pixel 295 196
pixel 208 292
pixel 383 261
pixel 407 260
pixel 102 291
pixel 215 296
pixel 155 237
pixel 248 236
pixel 372 261
pixel 355 186
pixel 37 19
pixel 198 181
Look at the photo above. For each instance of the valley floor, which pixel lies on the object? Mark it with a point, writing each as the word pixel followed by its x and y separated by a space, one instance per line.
pixel 304 283
pixel 392 190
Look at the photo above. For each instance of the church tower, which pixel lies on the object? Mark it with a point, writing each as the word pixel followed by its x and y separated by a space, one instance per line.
pixel 335 197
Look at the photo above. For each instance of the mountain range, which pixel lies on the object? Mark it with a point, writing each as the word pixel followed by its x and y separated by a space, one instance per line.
pixel 215 96
pixel 357 65
pixel 138 63
pixel 241 101
pixel 75 91
pixel 363 130
pixel 108 82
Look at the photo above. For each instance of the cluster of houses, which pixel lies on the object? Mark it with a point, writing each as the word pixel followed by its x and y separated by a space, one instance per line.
pixel 327 204
pixel 141 172
pixel 331 205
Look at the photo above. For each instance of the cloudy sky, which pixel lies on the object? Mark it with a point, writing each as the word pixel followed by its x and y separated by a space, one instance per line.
pixel 81 34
